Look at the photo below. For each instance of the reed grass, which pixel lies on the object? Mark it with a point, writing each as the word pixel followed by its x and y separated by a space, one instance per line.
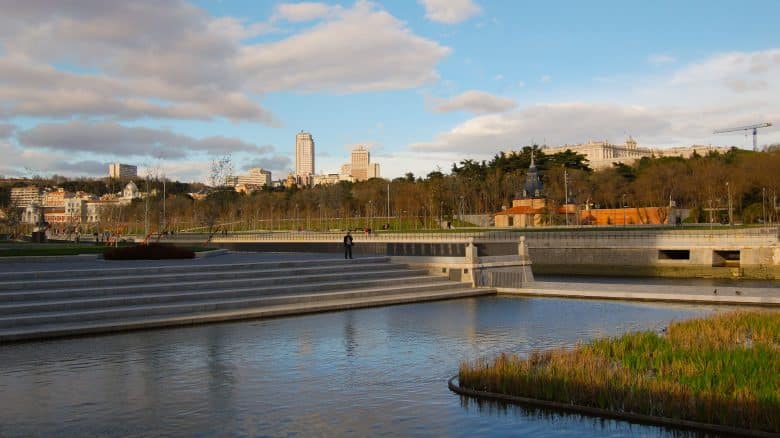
pixel 721 370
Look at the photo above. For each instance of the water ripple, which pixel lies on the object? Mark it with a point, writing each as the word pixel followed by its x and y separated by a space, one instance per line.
pixel 379 371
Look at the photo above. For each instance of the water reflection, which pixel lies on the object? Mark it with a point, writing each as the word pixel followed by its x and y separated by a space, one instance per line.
pixel 362 372
pixel 606 426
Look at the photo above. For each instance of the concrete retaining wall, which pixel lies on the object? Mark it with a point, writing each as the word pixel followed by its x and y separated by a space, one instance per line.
pixel 719 253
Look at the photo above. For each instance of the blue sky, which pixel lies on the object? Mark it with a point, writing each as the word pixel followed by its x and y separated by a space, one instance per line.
pixel 423 84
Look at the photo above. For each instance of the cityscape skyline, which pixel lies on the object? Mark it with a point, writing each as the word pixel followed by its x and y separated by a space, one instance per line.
pixel 435 83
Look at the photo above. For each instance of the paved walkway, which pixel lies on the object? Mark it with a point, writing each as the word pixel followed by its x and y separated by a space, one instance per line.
pixel 753 293
pixel 59 263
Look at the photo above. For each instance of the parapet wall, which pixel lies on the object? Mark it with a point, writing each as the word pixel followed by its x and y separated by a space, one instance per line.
pixel 731 253
pixel 719 253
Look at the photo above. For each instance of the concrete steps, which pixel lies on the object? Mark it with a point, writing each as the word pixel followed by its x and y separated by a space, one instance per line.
pixel 177 274
pixel 203 284
pixel 65 303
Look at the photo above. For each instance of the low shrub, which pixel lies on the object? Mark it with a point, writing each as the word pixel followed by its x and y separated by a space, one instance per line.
pixel 152 251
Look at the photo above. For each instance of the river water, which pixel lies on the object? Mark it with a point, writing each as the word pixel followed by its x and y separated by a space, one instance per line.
pixel 366 372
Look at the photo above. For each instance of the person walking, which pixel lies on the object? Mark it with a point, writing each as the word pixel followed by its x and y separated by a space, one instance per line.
pixel 348 246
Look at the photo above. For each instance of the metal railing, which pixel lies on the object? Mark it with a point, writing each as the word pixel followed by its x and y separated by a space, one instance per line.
pixel 307 236
pixel 762 235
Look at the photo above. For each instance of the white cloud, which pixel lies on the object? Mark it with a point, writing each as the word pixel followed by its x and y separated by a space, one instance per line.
pixel 115 139
pixel 126 60
pixel 545 78
pixel 420 164
pixel 306 11
pixel 150 59
pixel 478 102
pixel 85 148
pixel 361 49
pixel 6 130
pixel 557 123
pixel 661 59
pixel 21 161
pixel 498 77
pixel 450 11
pixel 277 164
pixel 680 108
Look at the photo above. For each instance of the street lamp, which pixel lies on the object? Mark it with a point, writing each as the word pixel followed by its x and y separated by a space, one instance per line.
pixel 731 218
pixel 461 210
pixel 624 209
pixel 369 211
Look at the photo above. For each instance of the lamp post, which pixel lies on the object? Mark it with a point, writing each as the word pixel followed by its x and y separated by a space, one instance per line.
pixel 461 210
pixel 763 205
pixel 624 209
pixel 388 203
pixel 728 191
pixel 146 207
pixel 164 223
pixel 369 211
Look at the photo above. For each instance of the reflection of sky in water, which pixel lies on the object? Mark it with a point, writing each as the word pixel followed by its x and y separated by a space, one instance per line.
pixel 362 372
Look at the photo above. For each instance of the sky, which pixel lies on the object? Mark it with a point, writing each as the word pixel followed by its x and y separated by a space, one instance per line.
pixel 170 86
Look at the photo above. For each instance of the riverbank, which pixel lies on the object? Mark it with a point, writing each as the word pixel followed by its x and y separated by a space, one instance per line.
pixel 741 292
pixel 720 370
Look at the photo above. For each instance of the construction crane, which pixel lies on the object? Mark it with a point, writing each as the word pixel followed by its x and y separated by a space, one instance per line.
pixel 746 128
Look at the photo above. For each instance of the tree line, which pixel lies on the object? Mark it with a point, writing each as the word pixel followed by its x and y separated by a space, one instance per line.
pixel 749 181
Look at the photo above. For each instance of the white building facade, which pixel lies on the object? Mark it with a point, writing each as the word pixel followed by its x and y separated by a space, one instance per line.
pixel 304 156
pixel 122 171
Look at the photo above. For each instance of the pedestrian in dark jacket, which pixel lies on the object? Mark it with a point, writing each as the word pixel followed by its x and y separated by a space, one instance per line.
pixel 348 246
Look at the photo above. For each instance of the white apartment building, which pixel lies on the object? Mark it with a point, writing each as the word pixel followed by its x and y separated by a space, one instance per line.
pixel 122 171
pixel 23 197
pixel 55 198
pixel 360 158
pixel 304 155
pixel 324 180
pixel 75 210
pixel 256 177
pixel 373 170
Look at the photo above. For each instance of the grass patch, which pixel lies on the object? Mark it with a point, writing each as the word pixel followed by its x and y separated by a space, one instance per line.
pixel 152 251
pixel 721 370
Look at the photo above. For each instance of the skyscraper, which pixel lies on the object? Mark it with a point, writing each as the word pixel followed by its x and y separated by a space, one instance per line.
pixel 360 160
pixel 304 156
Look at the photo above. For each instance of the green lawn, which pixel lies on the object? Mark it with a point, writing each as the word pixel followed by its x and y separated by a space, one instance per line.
pixel 721 370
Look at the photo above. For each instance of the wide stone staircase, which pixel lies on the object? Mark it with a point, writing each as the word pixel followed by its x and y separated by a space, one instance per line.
pixel 75 302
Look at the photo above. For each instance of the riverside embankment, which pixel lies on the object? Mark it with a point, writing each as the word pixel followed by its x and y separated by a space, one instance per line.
pixel 736 253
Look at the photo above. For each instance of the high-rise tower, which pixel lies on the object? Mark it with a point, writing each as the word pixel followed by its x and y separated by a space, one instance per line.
pixel 304 155
pixel 360 161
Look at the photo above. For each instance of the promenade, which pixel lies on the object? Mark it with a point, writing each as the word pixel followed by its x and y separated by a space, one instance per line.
pixel 758 293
